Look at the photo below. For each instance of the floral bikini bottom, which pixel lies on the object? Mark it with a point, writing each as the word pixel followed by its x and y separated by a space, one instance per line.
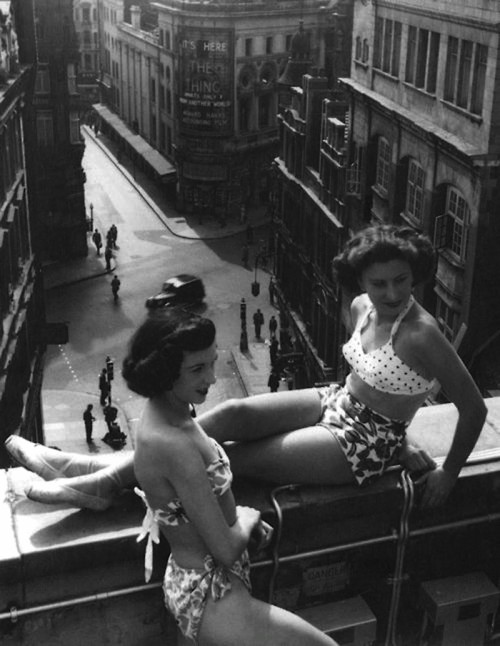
pixel 369 440
pixel 187 590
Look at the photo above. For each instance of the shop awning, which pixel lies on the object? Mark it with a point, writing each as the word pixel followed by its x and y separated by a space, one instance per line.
pixel 164 169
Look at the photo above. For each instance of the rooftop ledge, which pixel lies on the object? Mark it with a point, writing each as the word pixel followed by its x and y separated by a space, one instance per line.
pixel 57 559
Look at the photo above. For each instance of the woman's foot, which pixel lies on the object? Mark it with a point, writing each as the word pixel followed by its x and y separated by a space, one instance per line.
pixel 85 492
pixel 50 463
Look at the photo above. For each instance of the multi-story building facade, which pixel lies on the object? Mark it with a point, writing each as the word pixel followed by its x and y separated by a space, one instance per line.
pixel 22 341
pixel 424 146
pixel 201 88
pixel 309 211
pixel 56 156
pixel 87 33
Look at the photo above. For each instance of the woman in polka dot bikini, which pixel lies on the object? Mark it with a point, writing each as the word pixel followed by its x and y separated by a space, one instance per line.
pixel 333 435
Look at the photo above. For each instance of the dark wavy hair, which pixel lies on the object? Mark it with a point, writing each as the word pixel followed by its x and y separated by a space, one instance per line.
pixel 382 243
pixel 156 349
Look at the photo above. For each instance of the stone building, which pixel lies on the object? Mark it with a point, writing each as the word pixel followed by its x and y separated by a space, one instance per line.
pixel 56 154
pixel 424 148
pixel 309 210
pixel 87 33
pixel 22 317
pixel 201 88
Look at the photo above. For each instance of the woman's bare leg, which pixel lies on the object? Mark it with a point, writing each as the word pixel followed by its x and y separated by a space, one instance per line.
pixel 259 416
pixel 304 456
pixel 93 491
pixel 239 618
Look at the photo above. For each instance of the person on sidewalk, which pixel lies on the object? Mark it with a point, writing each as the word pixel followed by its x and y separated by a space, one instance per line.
pixel 272 290
pixel 273 326
pixel 114 236
pixel 110 413
pixel 110 368
pixel 97 240
pixel 88 420
pixel 258 322
pixel 245 256
pixel 115 287
pixel 273 381
pixel 104 388
pixel 108 257
pixel 273 351
pixel 397 355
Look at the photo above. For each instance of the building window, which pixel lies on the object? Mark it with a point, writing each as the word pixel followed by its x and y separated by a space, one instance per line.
pixel 42 83
pixel 422 58
pixel 74 128
pixel 153 90
pixel 447 319
pixel 163 135
pixel 86 14
pixel 264 110
pixel 465 74
pixel 248 46
pixel 269 45
pixel 353 172
pixel 387 46
pixel 71 78
pixel 44 129
pixel 288 42
pixel 244 114
pixel 415 191
pixel 167 40
pixel 452 227
pixel 383 164
pixel 169 140
pixel 169 101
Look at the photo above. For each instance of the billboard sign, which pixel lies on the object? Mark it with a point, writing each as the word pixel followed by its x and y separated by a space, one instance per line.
pixel 205 81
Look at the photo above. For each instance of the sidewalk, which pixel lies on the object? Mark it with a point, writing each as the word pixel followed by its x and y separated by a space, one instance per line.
pixel 181 225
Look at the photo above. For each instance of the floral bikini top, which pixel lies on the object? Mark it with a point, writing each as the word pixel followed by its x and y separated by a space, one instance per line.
pixel 381 368
pixel 220 477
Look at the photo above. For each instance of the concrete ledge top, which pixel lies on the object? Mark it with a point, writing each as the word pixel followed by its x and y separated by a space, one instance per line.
pixel 82 552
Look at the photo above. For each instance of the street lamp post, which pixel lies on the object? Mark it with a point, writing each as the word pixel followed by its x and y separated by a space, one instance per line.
pixel 243 335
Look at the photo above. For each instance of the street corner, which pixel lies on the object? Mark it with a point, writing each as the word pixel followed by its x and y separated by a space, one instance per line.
pixel 60 274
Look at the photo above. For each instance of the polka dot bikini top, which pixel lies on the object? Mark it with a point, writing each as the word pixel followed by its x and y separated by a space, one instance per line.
pixel 381 368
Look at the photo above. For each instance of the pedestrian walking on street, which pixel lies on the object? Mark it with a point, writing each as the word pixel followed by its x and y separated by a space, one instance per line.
pixel 245 256
pixel 97 240
pixel 108 255
pixel 114 235
pixel 273 326
pixel 104 388
pixel 258 322
pixel 110 368
pixel 115 287
pixel 88 420
pixel 272 290
pixel 110 414
pixel 273 350
pixel 273 382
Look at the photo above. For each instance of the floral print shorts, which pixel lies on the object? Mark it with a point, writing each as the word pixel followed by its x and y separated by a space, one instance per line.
pixel 369 440
pixel 186 590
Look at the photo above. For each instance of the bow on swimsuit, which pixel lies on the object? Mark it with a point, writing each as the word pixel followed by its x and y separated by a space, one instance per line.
pixel 187 590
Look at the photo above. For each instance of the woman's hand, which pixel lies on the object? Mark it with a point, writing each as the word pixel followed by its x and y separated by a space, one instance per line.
pixel 415 459
pixel 437 484
pixel 261 536
pixel 248 517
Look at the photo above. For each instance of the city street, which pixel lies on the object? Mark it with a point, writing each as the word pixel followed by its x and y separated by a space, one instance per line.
pixel 150 249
